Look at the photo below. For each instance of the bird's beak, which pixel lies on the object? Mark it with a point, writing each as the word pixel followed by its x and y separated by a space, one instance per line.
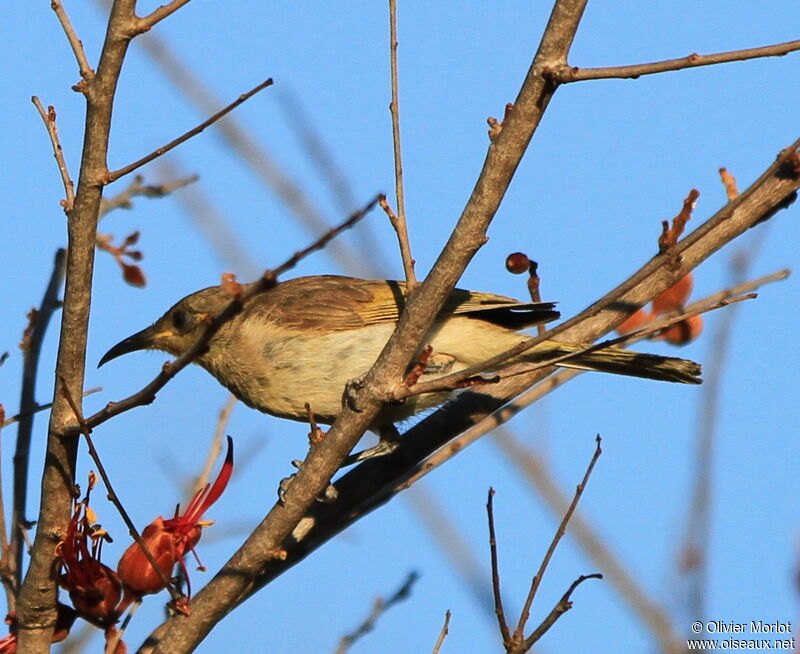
pixel 142 340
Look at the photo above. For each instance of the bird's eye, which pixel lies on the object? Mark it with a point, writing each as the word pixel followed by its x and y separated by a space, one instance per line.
pixel 180 320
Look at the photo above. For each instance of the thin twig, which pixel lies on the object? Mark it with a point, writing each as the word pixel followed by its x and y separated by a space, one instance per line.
pixel 268 280
pixel 240 140
pixel 257 562
pixel 562 529
pixel 49 118
pixel 114 498
pixel 116 174
pixel 401 231
pixel 399 223
pixel 147 22
pixel 216 445
pixel 43 407
pixel 112 644
pixel 456 380
pixel 537 473
pixel 75 43
pixel 564 605
pixel 443 633
pixel 137 188
pixel 544 387
pixel 27 407
pixel 567 74
pixel 380 606
pixel 498 599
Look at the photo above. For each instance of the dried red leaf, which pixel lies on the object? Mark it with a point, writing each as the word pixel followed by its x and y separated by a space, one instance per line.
pixel 131 239
pixel 133 274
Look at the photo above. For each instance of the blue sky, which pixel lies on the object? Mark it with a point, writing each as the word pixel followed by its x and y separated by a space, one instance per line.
pixel 609 162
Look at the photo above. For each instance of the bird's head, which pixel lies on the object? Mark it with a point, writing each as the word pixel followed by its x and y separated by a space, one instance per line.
pixel 178 328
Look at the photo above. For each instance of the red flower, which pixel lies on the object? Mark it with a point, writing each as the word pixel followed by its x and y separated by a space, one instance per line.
pixel 94 588
pixel 169 540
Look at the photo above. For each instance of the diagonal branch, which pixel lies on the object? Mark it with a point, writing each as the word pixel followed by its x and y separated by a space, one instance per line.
pixel 567 74
pixel 147 22
pixel 116 174
pixel 375 482
pixel 49 118
pixel 147 394
pixel 75 43
pixel 253 563
pixel 562 529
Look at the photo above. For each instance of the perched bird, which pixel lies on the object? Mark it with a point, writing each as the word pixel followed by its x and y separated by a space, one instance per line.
pixel 303 340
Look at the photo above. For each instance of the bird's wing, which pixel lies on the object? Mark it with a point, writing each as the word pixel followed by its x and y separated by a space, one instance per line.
pixel 335 303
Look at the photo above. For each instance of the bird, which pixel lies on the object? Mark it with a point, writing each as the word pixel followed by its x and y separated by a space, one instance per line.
pixel 300 343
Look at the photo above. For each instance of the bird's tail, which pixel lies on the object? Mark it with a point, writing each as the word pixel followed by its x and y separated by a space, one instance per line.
pixel 619 361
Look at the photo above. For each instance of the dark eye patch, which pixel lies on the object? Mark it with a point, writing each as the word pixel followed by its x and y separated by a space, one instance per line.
pixel 180 320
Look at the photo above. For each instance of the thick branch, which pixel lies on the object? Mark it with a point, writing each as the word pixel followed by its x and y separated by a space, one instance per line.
pixel 243 575
pixel 375 482
pixel 36 606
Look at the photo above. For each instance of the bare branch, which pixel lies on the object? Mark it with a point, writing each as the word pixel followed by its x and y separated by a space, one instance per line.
pixel 75 43
pixel 380 607
pixel 49 118
pixel 36 605
pixel 564 605
pixel 401 229
pixel 505 632
pixel 241 142
pixel 562 528
pixel 148 393
pixel 443 633
pixel 567 74
pixel 399 221
pixel 27 407
pixel 116 174
pixel 536 471
pixel 137 188
pixel 176 595
pixel 216 445
pixel 145 23
pixel 43 407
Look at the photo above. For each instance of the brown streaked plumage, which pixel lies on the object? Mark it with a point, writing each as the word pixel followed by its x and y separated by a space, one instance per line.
pixel 301 341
